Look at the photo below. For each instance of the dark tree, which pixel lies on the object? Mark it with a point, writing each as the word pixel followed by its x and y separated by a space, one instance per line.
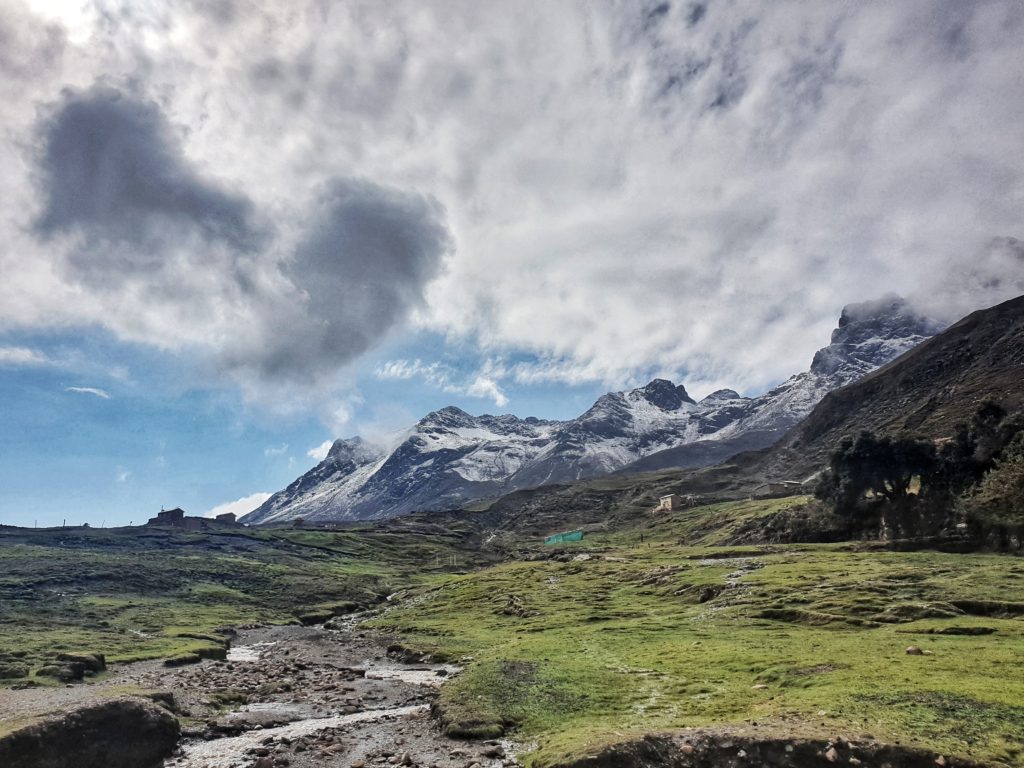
pixel 869 477
pixel 882 466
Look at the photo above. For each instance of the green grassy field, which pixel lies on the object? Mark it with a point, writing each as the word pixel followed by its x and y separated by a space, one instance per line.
pixel 653 625
pixel 153 593
pixel 637 637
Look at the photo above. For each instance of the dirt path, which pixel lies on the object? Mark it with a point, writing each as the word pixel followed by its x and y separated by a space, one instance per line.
pixel 291 696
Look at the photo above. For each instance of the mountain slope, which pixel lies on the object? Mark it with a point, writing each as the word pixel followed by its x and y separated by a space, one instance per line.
pixel 451 458
pixel 869 335
pixel 925 393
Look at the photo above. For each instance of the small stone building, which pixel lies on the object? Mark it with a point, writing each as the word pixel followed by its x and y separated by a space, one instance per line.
pixel 777 488
pixel 175 517
pixel 228 518
pixel 670 502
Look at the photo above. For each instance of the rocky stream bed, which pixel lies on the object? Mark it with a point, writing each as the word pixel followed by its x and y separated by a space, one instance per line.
pixel 285 696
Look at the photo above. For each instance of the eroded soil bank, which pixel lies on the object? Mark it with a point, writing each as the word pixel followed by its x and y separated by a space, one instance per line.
pixel 762 747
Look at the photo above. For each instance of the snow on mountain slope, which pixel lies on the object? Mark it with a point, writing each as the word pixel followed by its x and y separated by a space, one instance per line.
pixel 450 458
pixel 868 336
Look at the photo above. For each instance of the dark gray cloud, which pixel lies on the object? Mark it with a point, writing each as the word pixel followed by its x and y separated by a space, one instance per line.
pixel 111 168
pixel 147 224
pixel 361 266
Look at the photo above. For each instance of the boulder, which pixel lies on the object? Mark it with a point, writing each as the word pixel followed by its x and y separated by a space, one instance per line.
pixel 91 662
pixel 71 672
pixel 125 732
pixel 315 617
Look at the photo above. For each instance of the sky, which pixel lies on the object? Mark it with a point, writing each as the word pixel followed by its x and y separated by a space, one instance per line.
pixel 234 231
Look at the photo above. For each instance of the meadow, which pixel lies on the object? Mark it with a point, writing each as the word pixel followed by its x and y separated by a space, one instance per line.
pixel 657 623
pixel 614 637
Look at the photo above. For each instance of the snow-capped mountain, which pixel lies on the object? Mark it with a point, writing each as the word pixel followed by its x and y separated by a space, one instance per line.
pixel 869 335
pixel 450 458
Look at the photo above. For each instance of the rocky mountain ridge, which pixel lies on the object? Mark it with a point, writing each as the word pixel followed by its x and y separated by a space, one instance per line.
pixel 450 458
pixel 924 393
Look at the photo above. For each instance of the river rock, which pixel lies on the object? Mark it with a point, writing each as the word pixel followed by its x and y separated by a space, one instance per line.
pixel 120 733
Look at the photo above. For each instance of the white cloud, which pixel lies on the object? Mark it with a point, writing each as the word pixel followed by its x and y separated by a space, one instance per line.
pixel 627 190
pixel 275 450
pixel 434 374
pixel 319 452
pixel 122 475
pixel 95 391
pixel 239 506
pixel 485 386
pixel 484 383
pixel 339 412
pixel 16 357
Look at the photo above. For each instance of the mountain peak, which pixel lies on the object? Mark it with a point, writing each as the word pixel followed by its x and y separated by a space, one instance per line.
pixel 723 394
pixel 351 449
pixel 344 448
pixel 664 394
pixel 888 316
pixel 871 333
pixel 449 416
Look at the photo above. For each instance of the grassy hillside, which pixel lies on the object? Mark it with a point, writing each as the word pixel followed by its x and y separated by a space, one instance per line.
pixel 617 637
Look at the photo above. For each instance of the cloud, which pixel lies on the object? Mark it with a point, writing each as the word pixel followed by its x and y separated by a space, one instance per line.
pixel 996 272
pixel 162 252
pixel 17 357
pixel 337 412
pixel 95 391
pixel 319 452
pixel 486 386
pixel 122 475
pixel 435 374
pixel 603 188
pixel 359 269
pixel 484 383
pixel 239 507
pixel 275 450
pixel 112 168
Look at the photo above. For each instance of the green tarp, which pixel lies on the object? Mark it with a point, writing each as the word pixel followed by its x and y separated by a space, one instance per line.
pixel 558 538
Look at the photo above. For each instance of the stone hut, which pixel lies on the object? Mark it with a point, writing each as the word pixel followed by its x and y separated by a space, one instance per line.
pixel 777 488
pixel 670 502
pixel 175 517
